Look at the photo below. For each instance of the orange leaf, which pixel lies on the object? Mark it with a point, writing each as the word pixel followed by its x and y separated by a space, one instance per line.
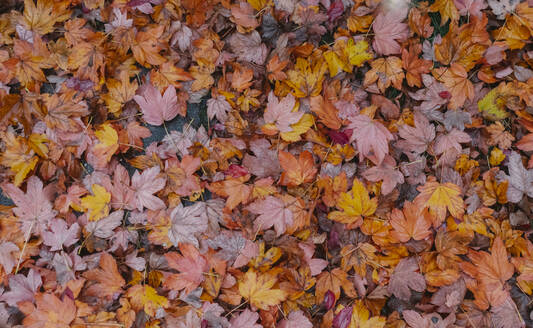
pixel 410 222
pixel 455 78
pixel 296 171
pixel 108 280
pixel 439 197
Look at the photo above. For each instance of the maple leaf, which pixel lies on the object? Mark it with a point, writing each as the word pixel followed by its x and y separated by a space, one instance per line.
pixel 280 113
pixel 326 111
pixel 32 206
pixel 361 317
pixel 97 204
pixel 470 7
pixel 414 66
pixel 108 138
pixel 502 8
pixel 42 17
pixel 520 179
pixel 372 138
pixel 354 204
pixel 389 30
pixel 447 10
pixel 60 234
pixel 242 78
pixel 272 212
pixel 439 197
pixel 186 223
pixel 234 188
pixel 405 278
pixel 7 259
pixel 455 78
pixel 245 319
pixel 492 270
pixel 410 222
pixel 417 138
pixel 192 266
pixel 119 92
pixel 182 179
pixel 18 156
pixel 157 109
pixel 265 162
pixel 257 288
pixel 306 78
pixel 433 96
pixel 386 171
pixel 507 315
pixel 386 72
pixel 451 140
pixel 107 279
pixel 145 185
pixel 248 47
pixel 296 171
pixel 147 46
pixel 49 311
pixel 333 281
pixel 146 298
pixel 218 107
pixel 22 288
pixel 295 319
pixel 526 143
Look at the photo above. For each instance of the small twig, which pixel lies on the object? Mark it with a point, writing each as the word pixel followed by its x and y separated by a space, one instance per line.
pixel 28 235
pixel 235 308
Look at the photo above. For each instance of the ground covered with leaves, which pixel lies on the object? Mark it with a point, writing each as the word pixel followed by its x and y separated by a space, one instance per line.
pixel 266 163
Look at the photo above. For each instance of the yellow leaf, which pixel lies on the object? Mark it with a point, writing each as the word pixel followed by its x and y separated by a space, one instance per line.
pixel 359 23
pixel 354 204
pixel 97 205
pixel 492 106
pixel 119 92
pixel 346 54
pixel 36 142
pixel 42 17
pixel 496 156
pixel 258 4
pixel 447 10
pixel 385 71
pixel 335 64
pixel 361 317
pixel 358 52
pixel 301 127
pixel 108 138
pixel 146 298
pixel 306 78
pixel 107 135
pixel 18 156
pixel 439 197
pixel 257 289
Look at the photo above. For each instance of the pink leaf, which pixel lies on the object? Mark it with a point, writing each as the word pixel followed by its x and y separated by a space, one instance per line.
pixel 389 30
pixel 296 319
pixel 272 212
pixel 386 171
pixel 7 260
pixel 156 108
pixel 280 112
pixel 145 185
pixel 60 234
pixel 187 222
pixel 247 319
pixel 22 288
pixel 33 205
pixel 372 138
pixel 218 107
pixel 405 278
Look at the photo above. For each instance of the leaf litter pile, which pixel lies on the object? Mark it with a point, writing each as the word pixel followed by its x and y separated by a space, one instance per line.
pixel 349 164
